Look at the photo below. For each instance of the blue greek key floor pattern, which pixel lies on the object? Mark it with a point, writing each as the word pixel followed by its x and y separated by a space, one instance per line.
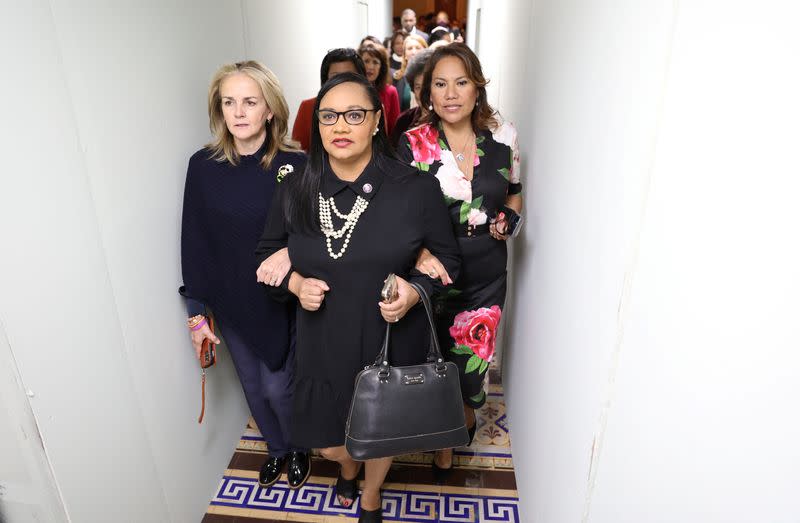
pixel 482 487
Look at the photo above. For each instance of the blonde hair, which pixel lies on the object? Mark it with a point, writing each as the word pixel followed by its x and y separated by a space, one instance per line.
pixel 222 147
pixel 404 64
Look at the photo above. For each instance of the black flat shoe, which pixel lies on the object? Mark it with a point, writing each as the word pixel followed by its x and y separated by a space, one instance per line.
pixel 270 471
pixel 471 432
pixel 298 469
pixel 440 474
pixel 371 516
pixel 347 489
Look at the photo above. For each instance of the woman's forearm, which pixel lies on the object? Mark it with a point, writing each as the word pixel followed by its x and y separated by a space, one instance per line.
pixel 514 201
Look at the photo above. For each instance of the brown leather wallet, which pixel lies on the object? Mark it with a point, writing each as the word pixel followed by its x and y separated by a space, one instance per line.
pixel 208 352
pixel 208 358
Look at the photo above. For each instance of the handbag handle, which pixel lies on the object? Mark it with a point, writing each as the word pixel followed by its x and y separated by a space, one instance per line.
pixel 434 353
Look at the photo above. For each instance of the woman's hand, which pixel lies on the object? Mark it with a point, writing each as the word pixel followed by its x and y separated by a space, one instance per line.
pixel 407 297
pixel 274 269
pixel 199 335
pixel 309 291
pixel 498 226
pixel 429 264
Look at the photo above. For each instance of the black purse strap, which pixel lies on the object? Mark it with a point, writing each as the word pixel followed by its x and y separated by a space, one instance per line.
pixel 434 352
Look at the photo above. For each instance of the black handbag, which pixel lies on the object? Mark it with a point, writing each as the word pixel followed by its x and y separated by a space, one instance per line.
pixel 402 410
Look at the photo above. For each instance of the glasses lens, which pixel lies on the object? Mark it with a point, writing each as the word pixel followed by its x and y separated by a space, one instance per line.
pixel 327 117
pixel 355 117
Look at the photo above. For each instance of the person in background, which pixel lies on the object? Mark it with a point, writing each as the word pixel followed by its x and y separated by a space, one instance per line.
pixel 337 61
pixel 428 22
pixel 396 48
pixel 410 117
pixel 440 33
pixel 376 63
pixel 339 263
pixel 413 44
pixel 475 157
pixel 408 19
pixel 369 41
pixel 229 187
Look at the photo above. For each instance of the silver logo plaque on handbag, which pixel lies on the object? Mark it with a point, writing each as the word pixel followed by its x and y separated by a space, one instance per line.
pixel 402 410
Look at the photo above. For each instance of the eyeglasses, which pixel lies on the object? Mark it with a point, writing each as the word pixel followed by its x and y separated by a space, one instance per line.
pixel 352 117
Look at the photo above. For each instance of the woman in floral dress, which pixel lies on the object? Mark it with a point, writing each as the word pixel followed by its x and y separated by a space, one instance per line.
pixel 475 157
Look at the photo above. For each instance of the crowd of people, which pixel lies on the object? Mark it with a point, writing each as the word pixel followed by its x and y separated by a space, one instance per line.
pixel 399 166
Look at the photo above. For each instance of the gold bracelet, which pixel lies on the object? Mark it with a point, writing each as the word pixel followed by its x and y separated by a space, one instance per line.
pixel 194 321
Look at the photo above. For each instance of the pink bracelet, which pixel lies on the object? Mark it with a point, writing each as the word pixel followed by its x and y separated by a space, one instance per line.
pixel 200 325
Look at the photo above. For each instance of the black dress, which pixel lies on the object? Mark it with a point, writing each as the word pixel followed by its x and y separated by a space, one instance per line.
pixel 468 314
pixel 406 211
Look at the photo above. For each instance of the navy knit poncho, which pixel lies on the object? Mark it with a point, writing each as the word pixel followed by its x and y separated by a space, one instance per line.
pixel 224 211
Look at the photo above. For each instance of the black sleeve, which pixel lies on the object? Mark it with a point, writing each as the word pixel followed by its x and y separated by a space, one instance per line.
pixel 404 150
pixel 274 238
pixel 194 247
pixel 439 237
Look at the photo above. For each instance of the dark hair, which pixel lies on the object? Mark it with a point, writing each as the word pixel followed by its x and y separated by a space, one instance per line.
pixel 343 54
pixel 300 199
pixel 438 33
pixel 401 33
pixel 417 66
pixel 380 54
pixel 483 116
pixel 373 39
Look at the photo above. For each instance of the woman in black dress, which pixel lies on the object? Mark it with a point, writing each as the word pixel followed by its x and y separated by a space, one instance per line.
pixel 474 156
pixel 354 215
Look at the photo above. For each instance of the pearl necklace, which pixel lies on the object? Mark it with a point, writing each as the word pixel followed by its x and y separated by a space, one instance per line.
pixel 350 221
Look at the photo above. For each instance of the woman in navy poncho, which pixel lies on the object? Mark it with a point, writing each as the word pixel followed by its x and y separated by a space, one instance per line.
pixel 229 189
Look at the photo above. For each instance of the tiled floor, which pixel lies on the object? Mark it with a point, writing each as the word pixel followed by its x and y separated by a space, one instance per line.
pixel 481 488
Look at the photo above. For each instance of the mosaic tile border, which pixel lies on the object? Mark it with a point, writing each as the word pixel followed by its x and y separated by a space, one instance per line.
pixel 419 506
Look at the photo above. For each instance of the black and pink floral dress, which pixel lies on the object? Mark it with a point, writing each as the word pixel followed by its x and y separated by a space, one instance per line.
pixel 469 312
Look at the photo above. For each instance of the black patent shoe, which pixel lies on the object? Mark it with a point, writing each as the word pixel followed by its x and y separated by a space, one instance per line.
pixel 270 471
pixel 371 516
pixel 298 469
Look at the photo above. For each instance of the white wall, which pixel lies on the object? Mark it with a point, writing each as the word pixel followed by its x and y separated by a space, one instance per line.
pixel 380 18
pixel 652 362
pixel 292 38
pixel 104 106
pixel 28 490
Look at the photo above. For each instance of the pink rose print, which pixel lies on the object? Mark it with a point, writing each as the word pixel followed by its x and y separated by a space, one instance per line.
pixel 476 217
pixel 451 180
pixel 424 141
pixel 477 330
